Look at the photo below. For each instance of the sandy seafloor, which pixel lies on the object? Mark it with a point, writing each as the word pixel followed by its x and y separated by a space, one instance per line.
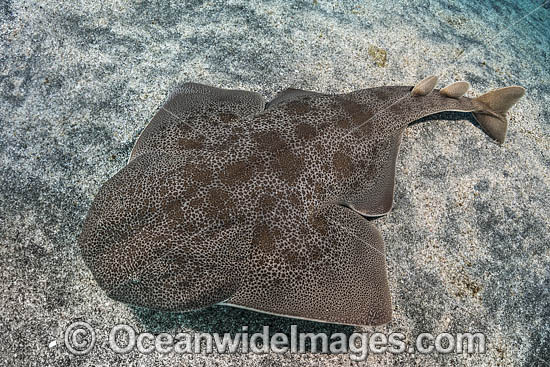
pixel 468 240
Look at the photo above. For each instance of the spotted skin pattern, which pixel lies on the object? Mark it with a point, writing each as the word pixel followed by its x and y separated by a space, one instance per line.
pixel 261 206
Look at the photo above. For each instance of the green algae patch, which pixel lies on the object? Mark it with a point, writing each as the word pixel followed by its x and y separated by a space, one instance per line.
pixel 379 55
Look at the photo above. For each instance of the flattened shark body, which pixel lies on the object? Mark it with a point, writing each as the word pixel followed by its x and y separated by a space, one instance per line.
pixel 228 199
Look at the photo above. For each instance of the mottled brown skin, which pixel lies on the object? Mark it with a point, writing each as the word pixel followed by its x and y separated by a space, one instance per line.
pixel 225 201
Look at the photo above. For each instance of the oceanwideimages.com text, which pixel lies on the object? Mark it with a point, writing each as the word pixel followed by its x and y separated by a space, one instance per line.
pixel 80 338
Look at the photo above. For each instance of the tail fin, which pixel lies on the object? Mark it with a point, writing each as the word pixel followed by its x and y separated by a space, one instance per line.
pixel 492 110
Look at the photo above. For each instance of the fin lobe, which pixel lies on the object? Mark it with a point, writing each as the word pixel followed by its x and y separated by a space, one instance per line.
pixel 492 109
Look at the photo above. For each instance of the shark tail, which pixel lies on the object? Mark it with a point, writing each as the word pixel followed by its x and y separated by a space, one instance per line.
pixel 492 108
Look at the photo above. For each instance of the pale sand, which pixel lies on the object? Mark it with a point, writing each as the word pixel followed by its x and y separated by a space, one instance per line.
pixel 467 241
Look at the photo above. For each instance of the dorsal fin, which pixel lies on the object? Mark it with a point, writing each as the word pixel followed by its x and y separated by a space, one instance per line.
pixel 455 90
pixel 424 87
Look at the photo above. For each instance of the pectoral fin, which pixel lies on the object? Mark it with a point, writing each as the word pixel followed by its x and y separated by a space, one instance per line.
pixel 374 196
pixel 177 124
pixel 289 94
pixel 330 268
